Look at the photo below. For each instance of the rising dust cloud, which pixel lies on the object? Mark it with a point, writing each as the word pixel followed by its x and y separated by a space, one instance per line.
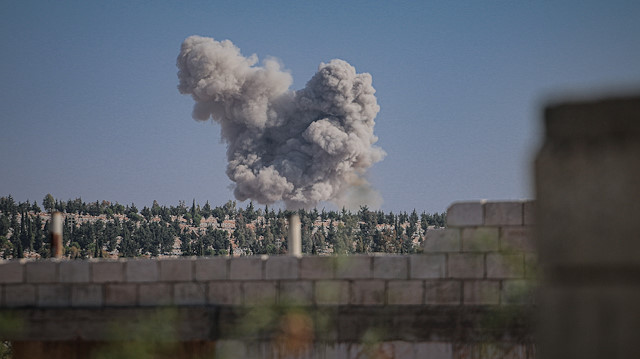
pixel 301 147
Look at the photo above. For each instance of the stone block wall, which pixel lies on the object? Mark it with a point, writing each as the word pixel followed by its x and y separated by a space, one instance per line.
pixel 449 300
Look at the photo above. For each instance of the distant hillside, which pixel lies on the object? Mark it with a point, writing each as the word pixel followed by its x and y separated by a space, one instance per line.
pixel 105 229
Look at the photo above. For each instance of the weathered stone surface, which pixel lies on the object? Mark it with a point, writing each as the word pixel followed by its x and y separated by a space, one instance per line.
pixel 106 271
pixel 353 267
pixel 368 292
pixel 390 267
pixel 152 294
pixel 443 292
pixel 259 292
pixel 529 211
pixel 315 267
pixel 480 239
pixel 463 214
pixel 141 270
pixel 54 295
pixel 42 271
pixel 517 291
pixel 531 266
pixel 120 294
pixel 466 265
pixel 442 240
pixel 296 292
pixel 517 239
pixel 19 295
pixel 332 292
pixel 245 268
pixel 76 271
pixel 176 270
pixel 405 292
pixel 213 268
pixel 427 266
pixel 89 295
pixel 479 292
pixel 501 265
pixel 281 267
pixel 435 350
pixel 189 294
pixel 503 214
pixel 225 293
pixel 12 271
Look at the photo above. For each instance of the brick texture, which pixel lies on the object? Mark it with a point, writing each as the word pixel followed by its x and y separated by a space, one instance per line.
pixel 442 240
pixel 427 266
pixel 463 214
pixel 390 267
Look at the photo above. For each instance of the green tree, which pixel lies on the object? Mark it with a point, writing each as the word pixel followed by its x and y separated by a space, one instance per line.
pixel 48 202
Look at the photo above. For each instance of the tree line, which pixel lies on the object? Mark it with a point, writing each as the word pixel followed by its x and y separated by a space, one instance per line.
pixel 104 229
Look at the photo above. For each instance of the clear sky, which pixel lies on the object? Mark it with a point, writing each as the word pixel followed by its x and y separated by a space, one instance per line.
pixel 89 106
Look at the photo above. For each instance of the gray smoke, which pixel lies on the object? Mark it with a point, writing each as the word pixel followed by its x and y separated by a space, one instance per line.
pixel 300 147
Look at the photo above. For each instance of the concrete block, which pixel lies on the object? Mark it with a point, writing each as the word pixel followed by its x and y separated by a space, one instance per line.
pixel 176 270
pixel 529 211
pixel 107 271
pixel 259 293
pixel 427 266
pixel 89 295
pixel 531 270
pixel 245 268
pixel 332 292
pixel 214 268
pixel 442 240
pixel 225 293
pixel 434 350
pixel 230 349
pixel 315 267
pixel 296 292
pixel 120 294
pixel 479 292
pixel 189 294
pixel 501 265
pixel 336 351
pixel 442 292
pixel 517 239
pixel 466 265
pixel 390 267
pixel 19 295
pixel 54 295
pixel 402 349
pixel 42 271
pixel 12 271
pixel 368 292
pixel 141 270
pixel 503 213
pixel 353 267
pixel 281 267
pixel 405 292
pixel 517 291
pixel 465 214
pixel 152 294
pixel 480 239
pixel 74 271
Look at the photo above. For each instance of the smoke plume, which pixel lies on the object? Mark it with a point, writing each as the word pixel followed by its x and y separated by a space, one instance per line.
pixel 300 147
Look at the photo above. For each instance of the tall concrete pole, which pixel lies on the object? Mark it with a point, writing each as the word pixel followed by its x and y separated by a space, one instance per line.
pixel 56 235
pixel 295 241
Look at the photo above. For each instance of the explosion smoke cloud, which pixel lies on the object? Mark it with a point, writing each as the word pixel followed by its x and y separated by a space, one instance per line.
pixel 301 147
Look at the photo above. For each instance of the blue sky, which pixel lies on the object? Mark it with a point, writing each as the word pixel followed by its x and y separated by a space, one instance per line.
pixel 89 105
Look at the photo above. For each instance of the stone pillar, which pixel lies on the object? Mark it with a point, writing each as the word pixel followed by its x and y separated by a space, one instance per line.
pixel 588 230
